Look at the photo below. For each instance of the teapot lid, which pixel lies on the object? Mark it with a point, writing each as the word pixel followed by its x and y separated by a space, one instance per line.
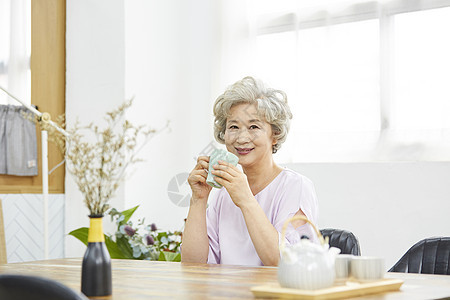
pixel 306 248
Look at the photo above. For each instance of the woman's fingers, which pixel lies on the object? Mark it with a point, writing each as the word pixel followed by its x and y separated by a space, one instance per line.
pixel 222 174
pixel 226 171
pixel 226 167
pixel 203 158
pixel 199 175
pixel 200 171
pixel 197 180
pixel 202 162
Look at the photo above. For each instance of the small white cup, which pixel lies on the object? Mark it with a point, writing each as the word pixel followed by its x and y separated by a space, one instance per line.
pixel 342 266
pixel 367 268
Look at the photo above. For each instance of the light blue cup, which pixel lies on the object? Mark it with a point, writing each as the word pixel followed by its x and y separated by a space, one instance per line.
pixel 216 155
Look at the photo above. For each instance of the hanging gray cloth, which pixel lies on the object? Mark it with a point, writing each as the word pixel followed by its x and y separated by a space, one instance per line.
pixel 18 144
pixel 3 112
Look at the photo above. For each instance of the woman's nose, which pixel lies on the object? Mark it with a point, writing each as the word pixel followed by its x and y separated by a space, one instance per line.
pixel 243 137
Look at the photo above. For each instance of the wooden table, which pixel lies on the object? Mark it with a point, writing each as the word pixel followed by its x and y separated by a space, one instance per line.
pixel 134 279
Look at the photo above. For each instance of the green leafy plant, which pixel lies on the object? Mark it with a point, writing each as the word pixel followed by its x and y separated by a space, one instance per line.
pixel 137 242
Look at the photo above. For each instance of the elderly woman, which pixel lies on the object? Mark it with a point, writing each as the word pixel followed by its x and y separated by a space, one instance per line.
pixel 241 224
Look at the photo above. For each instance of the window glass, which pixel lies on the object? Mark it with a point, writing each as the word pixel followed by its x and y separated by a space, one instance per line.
pixel 4 47
pixel 332 80
pixel 15 50
pixel 422 70
pixel 338 77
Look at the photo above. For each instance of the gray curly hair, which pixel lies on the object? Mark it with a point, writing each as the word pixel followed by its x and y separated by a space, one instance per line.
pixel 271 105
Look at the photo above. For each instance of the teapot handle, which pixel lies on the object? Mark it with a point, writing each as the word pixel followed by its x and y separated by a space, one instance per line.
pixel 300 217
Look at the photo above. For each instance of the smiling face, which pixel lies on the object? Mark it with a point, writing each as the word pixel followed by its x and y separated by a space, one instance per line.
pixel 248 135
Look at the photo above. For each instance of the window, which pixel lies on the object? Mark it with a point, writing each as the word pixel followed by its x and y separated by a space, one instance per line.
pixel 365 81
pixel 15 50
pixel 422 70
pixel 48 76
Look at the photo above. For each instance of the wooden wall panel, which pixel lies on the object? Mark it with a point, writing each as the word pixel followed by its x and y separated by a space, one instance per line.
pixel 48 26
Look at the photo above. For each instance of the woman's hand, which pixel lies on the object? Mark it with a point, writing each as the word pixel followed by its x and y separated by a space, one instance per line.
pixel 195 237
pixel 197 179
pixel 234 181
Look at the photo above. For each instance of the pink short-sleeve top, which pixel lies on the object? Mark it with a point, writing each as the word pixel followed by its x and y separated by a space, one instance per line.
pixel 229 240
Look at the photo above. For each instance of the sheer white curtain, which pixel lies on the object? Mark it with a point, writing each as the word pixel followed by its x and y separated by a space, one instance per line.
pixel 235 44
pixel 367 80
pixel 15 49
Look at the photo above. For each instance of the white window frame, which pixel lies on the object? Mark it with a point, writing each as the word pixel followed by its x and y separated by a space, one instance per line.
pixel 361 11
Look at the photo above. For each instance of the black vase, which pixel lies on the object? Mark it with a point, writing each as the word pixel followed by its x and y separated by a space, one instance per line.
pixel 96 277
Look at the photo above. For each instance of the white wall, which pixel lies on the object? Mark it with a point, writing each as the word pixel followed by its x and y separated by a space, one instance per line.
pixel 95 72
pixel 168 55
pixel 160 53
pixel 170 48
pixel 23 217
pixel 388 206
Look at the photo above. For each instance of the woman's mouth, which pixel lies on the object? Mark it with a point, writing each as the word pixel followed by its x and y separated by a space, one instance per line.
pixel 244 151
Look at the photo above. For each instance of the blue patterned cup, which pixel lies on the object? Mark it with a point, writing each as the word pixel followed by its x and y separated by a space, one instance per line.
pixel 216 155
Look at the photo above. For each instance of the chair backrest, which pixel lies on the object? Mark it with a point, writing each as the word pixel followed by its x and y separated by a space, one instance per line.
pixel 342 239
pixel 428 256
pixel 18 287
pixel 3 256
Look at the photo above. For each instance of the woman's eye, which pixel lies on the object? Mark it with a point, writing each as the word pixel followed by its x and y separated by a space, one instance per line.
pixel 254 127
pixel 232 127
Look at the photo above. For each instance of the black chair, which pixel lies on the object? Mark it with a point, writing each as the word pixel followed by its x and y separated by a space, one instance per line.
pixel 342 239
pixel 19 287
pixel 428 256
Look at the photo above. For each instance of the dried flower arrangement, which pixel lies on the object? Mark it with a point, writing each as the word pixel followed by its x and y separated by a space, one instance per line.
pixel 98 159
pixel 99 165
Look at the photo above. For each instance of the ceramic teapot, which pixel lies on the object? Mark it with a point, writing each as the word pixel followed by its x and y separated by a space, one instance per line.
pixel 306 265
